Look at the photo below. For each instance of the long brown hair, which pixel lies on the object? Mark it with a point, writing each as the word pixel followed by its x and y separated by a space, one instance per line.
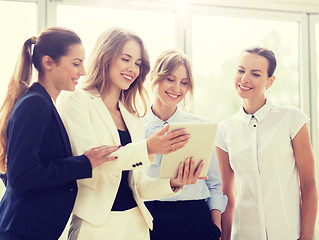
pixel 53 42
pixel 107 48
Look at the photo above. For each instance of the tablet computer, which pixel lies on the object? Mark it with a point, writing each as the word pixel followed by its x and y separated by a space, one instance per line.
pixel 200 147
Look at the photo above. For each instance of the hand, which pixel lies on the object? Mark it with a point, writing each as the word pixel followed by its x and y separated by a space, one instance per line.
pixel 161 143
pixel 99 155
pixel 187 173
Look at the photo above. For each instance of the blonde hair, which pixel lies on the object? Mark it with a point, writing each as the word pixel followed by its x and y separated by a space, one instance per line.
pixel 53 42
pixel 166 63
pixel 107 48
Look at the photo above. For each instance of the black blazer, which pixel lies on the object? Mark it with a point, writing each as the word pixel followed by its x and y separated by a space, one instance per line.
pixel 41 172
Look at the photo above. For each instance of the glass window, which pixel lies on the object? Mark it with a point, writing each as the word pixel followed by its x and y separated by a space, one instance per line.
pixel 157 29
pixel 19 22
pixel 13 34
pixel 216 45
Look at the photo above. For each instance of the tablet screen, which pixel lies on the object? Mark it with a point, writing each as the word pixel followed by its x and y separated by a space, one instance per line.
pixel 200 147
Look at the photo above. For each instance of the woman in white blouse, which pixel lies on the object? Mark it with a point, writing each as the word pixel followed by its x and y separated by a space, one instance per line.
pixel 266 150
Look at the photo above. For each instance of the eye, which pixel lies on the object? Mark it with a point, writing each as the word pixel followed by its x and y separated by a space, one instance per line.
pixel 76 64
pixel 256 74
pixel 125 59
pixel 240 71
pixel 170 80
pixel 138 64
pixel 185 82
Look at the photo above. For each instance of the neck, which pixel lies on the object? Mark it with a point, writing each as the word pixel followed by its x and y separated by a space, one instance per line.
pixel 111 99
pixel 162 111
pixel 50 88
pixel 253 105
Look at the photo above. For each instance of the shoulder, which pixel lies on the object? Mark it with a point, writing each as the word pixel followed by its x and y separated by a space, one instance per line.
pixel 289 111
pixel 34 102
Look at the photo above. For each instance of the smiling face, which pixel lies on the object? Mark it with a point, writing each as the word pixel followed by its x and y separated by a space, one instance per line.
pixel 125 68
pixel 251 79
pixel 173 89
pixel 67 71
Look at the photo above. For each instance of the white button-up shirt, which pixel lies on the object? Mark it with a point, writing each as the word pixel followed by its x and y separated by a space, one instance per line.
pixel 262 158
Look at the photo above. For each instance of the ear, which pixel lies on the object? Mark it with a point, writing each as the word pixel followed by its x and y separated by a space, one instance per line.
pixel 270 81
pixel 48 63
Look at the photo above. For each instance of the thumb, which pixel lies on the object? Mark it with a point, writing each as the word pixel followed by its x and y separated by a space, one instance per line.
pixel 163 130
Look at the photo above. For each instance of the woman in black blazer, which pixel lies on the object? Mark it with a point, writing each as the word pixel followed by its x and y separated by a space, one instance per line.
pixel 35 152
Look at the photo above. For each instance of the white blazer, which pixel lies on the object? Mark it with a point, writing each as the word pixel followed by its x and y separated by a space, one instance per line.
pixel 89 124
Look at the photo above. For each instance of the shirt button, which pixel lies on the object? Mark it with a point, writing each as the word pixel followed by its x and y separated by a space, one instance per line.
pixel 255 125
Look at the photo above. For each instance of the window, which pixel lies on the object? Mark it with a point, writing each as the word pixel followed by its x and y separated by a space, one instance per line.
pixel 216 44
pixel 157 29
pixel 20 20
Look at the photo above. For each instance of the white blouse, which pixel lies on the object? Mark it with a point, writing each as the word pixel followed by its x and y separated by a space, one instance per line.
pixel 267 183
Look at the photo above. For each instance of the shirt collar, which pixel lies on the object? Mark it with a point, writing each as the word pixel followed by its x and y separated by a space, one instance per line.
pixel 157 121
pixel 259 115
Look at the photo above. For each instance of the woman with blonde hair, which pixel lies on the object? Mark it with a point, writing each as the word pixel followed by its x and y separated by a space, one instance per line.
pixel 35 154
pixel 196 212
pixel 104 110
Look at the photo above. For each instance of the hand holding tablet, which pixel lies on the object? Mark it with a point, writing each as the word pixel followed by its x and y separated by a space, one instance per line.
pixel 200 147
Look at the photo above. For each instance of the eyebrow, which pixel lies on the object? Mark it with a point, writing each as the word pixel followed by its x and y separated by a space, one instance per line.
pixel 128 55
pixel 253 70
pixel 187 78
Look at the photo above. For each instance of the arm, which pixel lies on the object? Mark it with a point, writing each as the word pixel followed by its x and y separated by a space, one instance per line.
pixel 87 130
pixel 217 202
pixel 229 190
pixel 306 170
pixel 27 130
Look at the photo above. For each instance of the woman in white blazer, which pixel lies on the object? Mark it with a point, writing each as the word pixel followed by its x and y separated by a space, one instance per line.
pixel 103 110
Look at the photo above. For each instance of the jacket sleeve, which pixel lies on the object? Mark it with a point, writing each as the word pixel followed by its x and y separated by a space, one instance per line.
pixel 75 110
pixel 27 128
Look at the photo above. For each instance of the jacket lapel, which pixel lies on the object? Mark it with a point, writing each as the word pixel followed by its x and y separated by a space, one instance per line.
pixel 37 87
pixel 105 115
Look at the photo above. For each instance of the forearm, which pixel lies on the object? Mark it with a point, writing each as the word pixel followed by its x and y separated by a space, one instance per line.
pixel 216 217
pixel 309 211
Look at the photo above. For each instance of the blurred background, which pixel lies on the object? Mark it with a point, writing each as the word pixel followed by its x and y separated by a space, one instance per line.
pixel 211 32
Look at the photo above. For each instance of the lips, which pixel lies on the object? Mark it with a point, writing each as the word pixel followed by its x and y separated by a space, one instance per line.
pixel 75 80
pixel 244 88
pixel 127 77
pixel 173 96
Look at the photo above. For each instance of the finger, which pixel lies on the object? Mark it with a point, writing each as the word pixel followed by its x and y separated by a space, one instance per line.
pixel 111 149
pixel 176 133
pixel 180 171
pixel 204 178
pixel 191 169
pixel 108 159
pixel 199 169
pixel 179 145
pixel 181 139
pixel 163 130
pixel 186 171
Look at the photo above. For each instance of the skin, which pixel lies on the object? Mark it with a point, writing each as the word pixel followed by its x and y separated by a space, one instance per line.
pixel 169 93
pixel 251 81
pixel 124 70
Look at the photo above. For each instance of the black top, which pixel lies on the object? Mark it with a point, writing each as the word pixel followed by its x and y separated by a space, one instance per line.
pixel 124 199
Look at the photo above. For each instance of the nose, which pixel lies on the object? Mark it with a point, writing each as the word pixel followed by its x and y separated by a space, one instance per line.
pixel 245 78
pixel 177 86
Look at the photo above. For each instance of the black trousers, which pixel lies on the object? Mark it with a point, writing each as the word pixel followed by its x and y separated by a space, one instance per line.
pixel 182 220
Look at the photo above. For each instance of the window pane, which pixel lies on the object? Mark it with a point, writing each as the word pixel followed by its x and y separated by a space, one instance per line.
pixel 18 23
pixel 157 29
pixel 217 43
